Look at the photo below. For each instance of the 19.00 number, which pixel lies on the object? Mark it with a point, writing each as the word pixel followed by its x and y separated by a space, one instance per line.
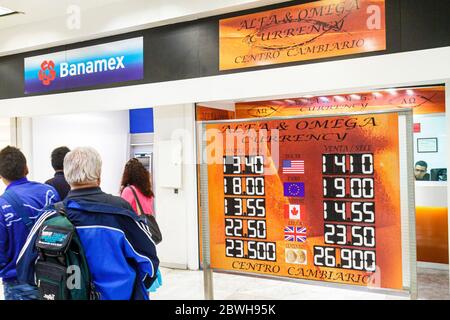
pixel 348 187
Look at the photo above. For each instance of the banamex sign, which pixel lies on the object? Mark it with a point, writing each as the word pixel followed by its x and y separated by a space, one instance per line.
pixel 314 30
pixel 101 64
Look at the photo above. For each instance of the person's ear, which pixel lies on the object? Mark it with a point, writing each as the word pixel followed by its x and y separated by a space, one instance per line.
pixel 26 171
pixel 6 182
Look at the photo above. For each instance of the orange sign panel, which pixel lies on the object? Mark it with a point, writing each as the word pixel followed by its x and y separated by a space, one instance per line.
pixel 208 114
pixel 421 100
pixel 307 198
pixel 314 30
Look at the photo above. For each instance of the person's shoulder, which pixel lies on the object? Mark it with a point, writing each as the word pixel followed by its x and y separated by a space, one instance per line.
pixel 35 183
pixel 43 186
pixel 59 179
pixel 126 209
pixel 127 194
pixel 117 201
pixel 32 186
pixel 126 190
pixel 3 205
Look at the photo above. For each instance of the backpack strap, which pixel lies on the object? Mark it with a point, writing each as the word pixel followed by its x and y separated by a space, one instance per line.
pixel 13 199
pixel 60 208
pixel 136 198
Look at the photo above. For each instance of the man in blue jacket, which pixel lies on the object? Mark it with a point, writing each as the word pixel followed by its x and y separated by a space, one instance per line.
pixel 119 250
pixel 20 206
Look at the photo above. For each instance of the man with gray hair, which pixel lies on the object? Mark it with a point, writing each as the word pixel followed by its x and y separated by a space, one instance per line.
pixel 120 252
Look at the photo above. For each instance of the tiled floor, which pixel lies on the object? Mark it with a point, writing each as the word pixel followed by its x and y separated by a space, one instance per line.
pixel 179 284
pixel 433 284
pixel 188 285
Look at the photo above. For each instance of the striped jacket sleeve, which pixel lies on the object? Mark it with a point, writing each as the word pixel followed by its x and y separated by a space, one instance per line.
pixel 142 250
pixel 3 240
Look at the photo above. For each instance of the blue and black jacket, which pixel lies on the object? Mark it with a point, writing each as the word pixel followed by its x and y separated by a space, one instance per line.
pixel 34 197
pixel 119 250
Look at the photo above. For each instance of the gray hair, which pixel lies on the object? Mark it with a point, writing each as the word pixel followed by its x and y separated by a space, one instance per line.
pixel 82 165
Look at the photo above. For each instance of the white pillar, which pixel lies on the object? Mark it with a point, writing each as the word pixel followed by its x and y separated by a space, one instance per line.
pixel 177 213
pixel 24 140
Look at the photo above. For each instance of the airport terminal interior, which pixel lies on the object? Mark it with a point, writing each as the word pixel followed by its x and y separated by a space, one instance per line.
pixel 297 150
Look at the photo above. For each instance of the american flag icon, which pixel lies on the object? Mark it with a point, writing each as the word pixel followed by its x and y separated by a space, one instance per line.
pixel 293 166
pixel 297 234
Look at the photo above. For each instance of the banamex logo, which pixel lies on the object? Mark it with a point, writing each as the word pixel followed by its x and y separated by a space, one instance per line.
pixel 47 73
pixel 112 62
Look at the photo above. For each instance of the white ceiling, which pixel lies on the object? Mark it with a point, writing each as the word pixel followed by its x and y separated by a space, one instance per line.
pixel 39 10
pixel 45 22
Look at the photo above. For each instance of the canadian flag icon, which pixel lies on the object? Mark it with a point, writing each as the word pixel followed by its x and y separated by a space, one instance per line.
pixel 292 211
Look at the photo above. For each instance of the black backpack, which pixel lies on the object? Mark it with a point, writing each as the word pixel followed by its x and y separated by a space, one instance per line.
pixel 62 272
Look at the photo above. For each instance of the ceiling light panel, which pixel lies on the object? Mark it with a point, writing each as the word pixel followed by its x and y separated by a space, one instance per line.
pixel 5 11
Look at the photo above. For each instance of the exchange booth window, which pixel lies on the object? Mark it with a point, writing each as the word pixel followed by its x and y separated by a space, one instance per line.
pixel 430 157
pixel 430 170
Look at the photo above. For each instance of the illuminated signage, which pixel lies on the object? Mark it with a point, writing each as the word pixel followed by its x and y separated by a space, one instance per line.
pixel 422 100
pixel 99 65
pixel 308 198
pixel 319 29
pixel 106 63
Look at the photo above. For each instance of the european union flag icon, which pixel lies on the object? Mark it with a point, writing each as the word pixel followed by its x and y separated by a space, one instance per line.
pixel 294 189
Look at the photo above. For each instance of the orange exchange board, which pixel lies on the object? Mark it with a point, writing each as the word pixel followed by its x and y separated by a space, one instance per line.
pixel 308 31
pixel 428 100
pixel 307 198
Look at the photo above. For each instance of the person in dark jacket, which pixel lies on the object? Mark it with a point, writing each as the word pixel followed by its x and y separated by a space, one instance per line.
pixel 20 207
pixel 120 252
pixel 59 181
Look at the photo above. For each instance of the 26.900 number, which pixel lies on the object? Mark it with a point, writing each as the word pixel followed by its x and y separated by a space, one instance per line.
pixel 349 258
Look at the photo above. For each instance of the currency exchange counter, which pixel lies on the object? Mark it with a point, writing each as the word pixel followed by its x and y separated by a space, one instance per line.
pixel 431 221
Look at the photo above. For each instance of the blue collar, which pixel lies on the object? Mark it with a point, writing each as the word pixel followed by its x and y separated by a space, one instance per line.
pixel 17 182
pixel 84 192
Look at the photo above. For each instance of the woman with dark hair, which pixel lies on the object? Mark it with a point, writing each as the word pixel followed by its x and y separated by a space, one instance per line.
pixel 136 187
